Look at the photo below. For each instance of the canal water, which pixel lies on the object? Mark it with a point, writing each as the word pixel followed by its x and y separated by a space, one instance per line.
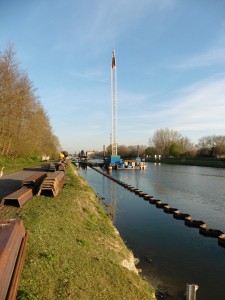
pixel 170 253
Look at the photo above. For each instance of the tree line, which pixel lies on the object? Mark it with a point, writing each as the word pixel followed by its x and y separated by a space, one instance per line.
pixel 170 143
pixel 167 142
pixel 25 129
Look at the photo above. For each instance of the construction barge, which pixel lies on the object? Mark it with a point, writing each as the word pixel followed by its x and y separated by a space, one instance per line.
pixel 116 163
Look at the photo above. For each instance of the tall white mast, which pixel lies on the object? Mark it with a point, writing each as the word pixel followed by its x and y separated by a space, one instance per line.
pixel 114 103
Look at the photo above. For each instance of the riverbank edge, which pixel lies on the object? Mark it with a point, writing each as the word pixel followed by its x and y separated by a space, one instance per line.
pixel 101 256
pixel 130 262
pixel 211 163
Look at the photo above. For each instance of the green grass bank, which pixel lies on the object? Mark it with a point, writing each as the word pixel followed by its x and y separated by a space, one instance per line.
pixel 16 164
pixel 74 251
pixel 192 161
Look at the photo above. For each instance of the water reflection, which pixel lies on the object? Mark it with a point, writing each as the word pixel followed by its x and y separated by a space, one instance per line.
pixel 178 254
pixel 194 190
pixel 112 201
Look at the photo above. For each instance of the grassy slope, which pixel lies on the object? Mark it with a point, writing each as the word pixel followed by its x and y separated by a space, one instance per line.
pixel 16 164
pixel 73 250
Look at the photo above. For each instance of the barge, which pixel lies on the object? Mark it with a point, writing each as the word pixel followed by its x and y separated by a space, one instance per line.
pixel 129 164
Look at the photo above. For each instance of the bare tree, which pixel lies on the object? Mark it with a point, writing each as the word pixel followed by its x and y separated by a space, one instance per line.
pixel 8 83
pixel 212 145
pixel 24 125
pixel 186 146
pixel 170 142
pixel 129 151
pixel 163 139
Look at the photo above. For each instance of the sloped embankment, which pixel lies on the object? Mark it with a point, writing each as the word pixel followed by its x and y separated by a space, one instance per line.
pixel 74 251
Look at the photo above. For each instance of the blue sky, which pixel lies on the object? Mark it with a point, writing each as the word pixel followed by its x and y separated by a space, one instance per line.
pixel 170 65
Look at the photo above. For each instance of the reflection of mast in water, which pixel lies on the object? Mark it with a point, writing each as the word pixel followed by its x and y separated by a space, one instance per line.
pixel 137 178
pixel 112 201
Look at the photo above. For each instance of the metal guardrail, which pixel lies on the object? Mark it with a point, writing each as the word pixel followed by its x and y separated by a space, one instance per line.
pixel 13 240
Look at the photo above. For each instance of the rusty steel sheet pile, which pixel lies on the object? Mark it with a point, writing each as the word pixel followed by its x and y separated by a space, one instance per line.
pixel 19 197
pixel 34 180
pixel 52 167
pixel 57 166
pixel 13 240
pixel 52 183
pixel 61 166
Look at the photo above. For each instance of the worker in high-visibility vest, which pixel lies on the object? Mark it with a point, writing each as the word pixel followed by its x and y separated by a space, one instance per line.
pixel 61 156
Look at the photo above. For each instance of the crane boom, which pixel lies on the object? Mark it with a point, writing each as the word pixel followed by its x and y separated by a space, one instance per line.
pixel 114 103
